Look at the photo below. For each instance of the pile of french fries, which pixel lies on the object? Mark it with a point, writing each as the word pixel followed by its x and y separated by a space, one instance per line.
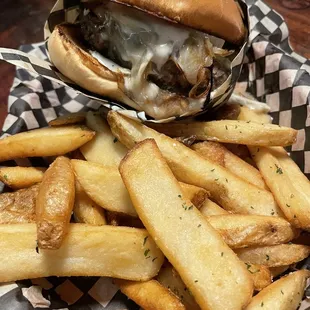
pixel 176 213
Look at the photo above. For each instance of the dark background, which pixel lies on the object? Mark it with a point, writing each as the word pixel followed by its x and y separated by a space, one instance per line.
pixel 22 22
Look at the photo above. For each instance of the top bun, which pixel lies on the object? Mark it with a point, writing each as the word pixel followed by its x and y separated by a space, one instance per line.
pixel 221 18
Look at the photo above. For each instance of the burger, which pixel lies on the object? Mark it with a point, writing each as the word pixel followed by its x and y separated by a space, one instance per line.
pixel 163 57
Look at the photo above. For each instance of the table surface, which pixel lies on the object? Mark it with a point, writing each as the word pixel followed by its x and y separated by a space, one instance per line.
pixel 22 22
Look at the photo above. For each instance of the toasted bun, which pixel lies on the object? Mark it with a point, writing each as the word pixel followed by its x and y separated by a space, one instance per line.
pixel 221 18
pixel 70 58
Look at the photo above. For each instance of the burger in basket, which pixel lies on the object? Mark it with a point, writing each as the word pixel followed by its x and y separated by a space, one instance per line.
pixel 163 57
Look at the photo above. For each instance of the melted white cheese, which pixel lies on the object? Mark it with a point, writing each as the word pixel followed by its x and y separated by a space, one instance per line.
pixel 108 63
pixel 250 103
pixel 142 39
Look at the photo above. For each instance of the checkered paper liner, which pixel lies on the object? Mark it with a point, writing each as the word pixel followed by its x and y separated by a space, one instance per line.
pixel 272 73
pixel 68 11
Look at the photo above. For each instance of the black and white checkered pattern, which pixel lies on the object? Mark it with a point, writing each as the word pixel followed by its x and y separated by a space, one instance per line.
pixel 88 293
pixel 272 73
pixel 35 100
pixel 275 74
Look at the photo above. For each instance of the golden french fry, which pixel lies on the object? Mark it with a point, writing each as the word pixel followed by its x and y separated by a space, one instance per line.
pixel 212 151
pixel 169 278
pixel 21 177
pixel 299 180
pixel 209 208
pixel 231 131
pixel 239 231
pixel 157 197
pixel 294 203
pixel 104 185
pixel 274 255
pixel 260 275
pixel 150 295
pixel 284 294
pixel 85 210
pixel 288 184
pixel 54 204
pixel 19 206
pixel 247 114
pixel 86 251
pixel 68 119
pixel 50 141
pixel 252 115
pixel 242 152
pixel 276 271
pixel 195 194
pixel 229 191
pixel 104 149
pixel 221 155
